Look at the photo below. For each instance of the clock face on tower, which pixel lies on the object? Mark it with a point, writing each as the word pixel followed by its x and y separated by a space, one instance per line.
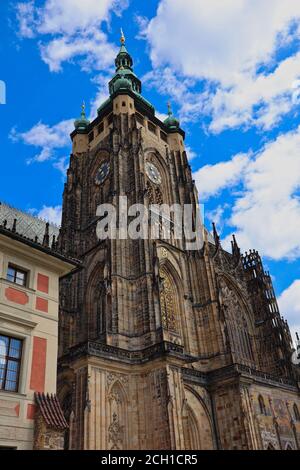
pixel 102 172
pixel 153 173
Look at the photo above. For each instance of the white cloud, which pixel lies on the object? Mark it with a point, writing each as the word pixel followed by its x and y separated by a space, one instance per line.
pixel 191 154
pixel 165 81
pixel 25 13
pixel 45 138
pixel 70 29
pixel 102 94
pixel 289 305
pixel 51 214
pixel 267 215
pixel 217 216
pixel 62 165
pixel 230 47
pixel 211 179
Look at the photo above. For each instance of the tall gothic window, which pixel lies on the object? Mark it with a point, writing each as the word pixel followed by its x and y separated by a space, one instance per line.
pixel 96 303
pixel 238 328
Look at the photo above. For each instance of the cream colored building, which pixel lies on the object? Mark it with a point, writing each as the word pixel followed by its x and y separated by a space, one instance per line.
pixel 29 275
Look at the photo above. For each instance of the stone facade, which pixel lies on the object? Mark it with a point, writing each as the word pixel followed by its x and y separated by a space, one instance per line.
pixel 162 347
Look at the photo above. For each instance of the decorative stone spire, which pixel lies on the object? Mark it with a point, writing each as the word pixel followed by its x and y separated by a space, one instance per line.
pixel 46 235
pixel 235 248
pixel 216 235
pixel 82 123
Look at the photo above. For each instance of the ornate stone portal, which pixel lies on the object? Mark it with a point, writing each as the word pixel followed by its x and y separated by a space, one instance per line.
pixel 162 347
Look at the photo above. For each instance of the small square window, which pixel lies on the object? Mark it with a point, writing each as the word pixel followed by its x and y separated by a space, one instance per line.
pixel 16 275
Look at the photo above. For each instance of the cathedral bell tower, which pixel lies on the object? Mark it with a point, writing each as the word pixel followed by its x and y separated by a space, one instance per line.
pixel 147 322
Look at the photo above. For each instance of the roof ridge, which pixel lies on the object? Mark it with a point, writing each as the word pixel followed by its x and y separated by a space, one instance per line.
pixel 28 214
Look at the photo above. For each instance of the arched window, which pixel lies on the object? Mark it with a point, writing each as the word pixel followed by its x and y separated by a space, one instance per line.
pixel 296 412
pixel 238 325
pixel 262 406
pixel 197 430
pixel 97 303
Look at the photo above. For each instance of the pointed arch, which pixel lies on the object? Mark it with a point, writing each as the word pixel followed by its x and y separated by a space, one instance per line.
pixel 238 322
pixel 197 423
pixel 190 429
pixel 270 447
pixel 262 406
pixel 96 303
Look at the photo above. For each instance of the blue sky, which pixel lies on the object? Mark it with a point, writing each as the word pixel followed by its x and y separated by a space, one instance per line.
pixel 232 72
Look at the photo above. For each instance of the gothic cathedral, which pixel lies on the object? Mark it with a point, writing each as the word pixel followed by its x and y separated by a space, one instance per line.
pixel 160 346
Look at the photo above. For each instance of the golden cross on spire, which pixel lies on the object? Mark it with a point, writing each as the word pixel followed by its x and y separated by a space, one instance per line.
pixel 122 37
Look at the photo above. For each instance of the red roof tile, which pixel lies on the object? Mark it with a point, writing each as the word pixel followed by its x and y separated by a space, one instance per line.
pixel 51 410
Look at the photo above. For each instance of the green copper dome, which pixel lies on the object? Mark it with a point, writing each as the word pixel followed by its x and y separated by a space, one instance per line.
pixel 171 122
pixel 124 78
pixel 82 123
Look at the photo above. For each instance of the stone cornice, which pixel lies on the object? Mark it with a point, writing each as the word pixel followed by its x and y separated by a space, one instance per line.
pixel 93 348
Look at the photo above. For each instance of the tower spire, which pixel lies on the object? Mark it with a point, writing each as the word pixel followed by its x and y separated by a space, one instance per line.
pixel 216 235
pixel 82 123
pixel 171 120
pixel 124 78
pixel 123 39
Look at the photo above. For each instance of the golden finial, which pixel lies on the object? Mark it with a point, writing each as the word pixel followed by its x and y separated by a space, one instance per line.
pixel 122 37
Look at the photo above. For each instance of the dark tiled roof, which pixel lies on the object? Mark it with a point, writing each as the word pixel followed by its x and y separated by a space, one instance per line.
pixel 51 411
pixel 26 225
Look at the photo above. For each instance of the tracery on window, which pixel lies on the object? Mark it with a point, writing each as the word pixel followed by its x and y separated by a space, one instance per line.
pixel 169 302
